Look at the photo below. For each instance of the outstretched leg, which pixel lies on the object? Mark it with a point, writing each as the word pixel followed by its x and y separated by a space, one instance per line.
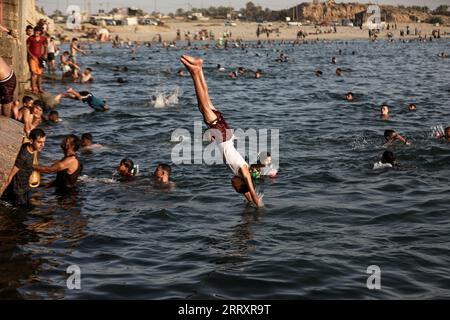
pixel 195 68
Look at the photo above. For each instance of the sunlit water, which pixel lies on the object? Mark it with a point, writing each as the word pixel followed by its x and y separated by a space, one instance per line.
pixel 327 216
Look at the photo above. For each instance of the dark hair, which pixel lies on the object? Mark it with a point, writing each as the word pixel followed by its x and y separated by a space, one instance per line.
pixel 76 142
pixel 86 136
pixel 319 72
pixel 66 52
pixel 128 163
pixel 36 133
pixel 350 93
pixel 165 167
pixel 84 93
pixel 388 134
pixel 53 112
pixel 37 28
pixel 89 69
pixel 388 157
pixel 39 103
pixel 29 27
pixel 74 39
pixel 27 99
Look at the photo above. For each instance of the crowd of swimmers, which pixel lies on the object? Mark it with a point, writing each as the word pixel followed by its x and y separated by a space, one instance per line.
pixel 42 51
pixel 26 172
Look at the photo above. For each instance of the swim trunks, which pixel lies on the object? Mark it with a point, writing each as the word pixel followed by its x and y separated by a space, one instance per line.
pixel 7 87
pixel 222 127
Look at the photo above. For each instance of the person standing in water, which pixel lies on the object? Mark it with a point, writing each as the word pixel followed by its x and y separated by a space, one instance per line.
pixel 18 191
pixel 68 169
pixel 242 180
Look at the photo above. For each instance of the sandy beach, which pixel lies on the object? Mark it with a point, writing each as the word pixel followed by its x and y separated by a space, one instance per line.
pixel 247 31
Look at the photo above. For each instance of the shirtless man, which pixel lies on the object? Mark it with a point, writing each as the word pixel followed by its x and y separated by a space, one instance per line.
pixel 68 169
pixel 242 181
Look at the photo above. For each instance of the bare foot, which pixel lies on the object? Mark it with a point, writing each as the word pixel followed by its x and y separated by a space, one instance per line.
pixel 191 63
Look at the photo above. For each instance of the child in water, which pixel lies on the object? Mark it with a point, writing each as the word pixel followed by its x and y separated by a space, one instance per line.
pixel 89 98
pixel 439 133
pixel 263 167
pixel 391 136
pixel 387 161
pixel 162 173
pixel 127 169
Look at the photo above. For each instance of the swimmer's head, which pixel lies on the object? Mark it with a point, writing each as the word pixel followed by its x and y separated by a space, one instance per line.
pixel 319 73
pixel 53 116
pixel 239 185
pixel 447 133
pixel 349 96
pixel 258 74
pixel 71 143
pixel 162 173
pixel 389 135
pixel 265 158
pixel 233 75
pixel 333 60
pixel 388 157
pixel 384 110
pixel 88 71
pixel 339 72
pixel 180 72
pixel 37 139
pixel 125 168
pixel 74 40
pixel 412 107
pixel 86 139
pixel 66 53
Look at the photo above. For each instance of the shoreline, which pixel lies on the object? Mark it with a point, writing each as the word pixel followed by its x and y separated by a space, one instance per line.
pixel 246 31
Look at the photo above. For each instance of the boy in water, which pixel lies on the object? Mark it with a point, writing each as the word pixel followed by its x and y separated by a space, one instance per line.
pixel 384 112
pixel 18 191
pixel 162 173
pixel 89 98
pixel 86 76
pixel 349 96
pixel 53 116
pixel 412 107
pixel 126 168
pixel 391 136
pixel 387 161
pixel 446 134
pixel 242 180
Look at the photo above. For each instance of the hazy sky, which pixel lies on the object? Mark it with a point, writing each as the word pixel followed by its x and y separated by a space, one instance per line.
pixel 167 6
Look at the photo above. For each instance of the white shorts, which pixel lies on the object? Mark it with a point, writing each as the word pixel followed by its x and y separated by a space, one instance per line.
pixel 232 157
